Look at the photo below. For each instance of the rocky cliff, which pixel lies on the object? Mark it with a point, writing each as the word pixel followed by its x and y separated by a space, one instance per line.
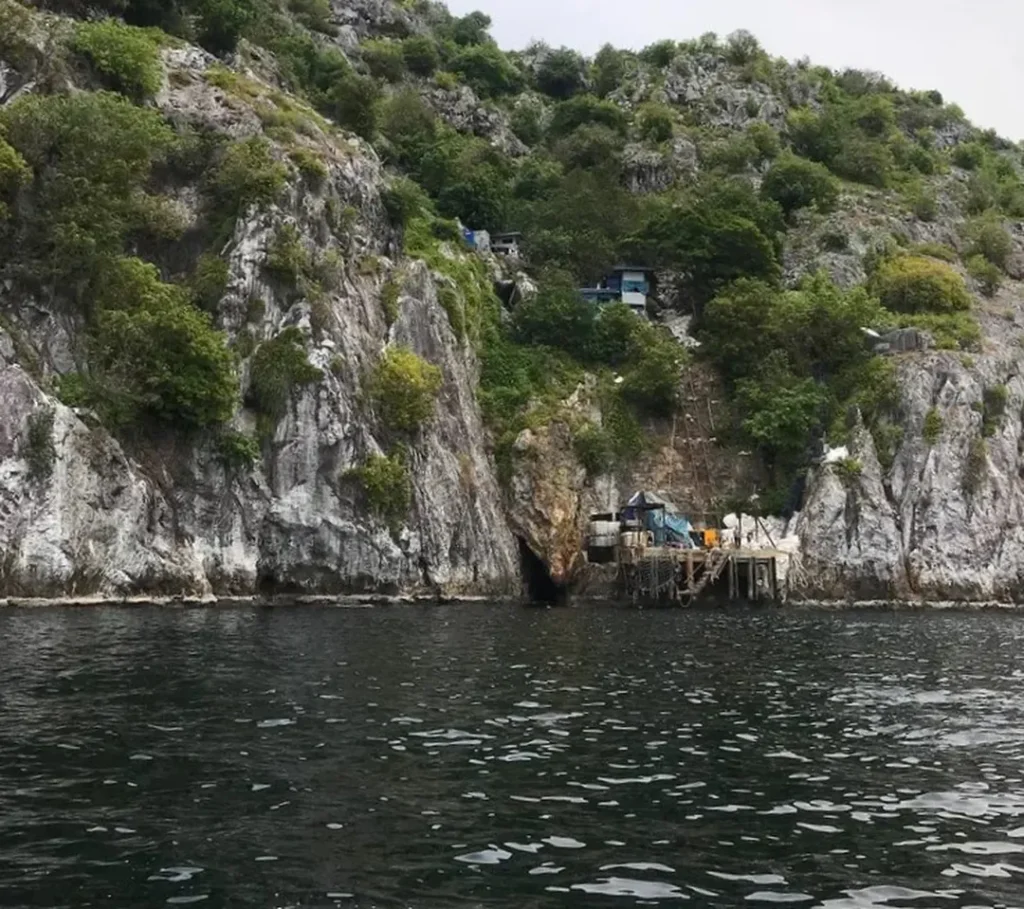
pixel 344 262
pixel 121 517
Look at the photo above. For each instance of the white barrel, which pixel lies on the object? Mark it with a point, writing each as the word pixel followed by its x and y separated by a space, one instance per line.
pixel 633 539
pixel 603 529
pixel 607 541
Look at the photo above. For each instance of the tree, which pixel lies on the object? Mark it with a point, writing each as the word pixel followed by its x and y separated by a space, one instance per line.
pixel 352 103
pixel 91 155
pixel 781 410
pixel 797 183
pixel 410 128
pixel 655 122
pixel 711 246
pixel 155 355
pixel 384 59
pixel 421 55
pixel 557 316
pixel 471 29
pixel 561 74
pixel 586 110
pixel 609 68
pixel 487 70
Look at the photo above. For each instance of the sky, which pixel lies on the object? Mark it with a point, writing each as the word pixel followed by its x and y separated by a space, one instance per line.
pixel 970 50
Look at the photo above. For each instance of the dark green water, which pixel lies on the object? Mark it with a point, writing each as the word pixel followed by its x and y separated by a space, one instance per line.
pixel 510 758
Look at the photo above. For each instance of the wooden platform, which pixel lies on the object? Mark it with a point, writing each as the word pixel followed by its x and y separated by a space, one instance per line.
pixel 663 575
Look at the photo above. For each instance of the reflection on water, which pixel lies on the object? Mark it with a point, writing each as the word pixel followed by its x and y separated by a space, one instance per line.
pixel 509 758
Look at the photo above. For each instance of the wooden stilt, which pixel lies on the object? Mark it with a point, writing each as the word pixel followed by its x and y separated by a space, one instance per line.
pixel 751 568
pixel 775 581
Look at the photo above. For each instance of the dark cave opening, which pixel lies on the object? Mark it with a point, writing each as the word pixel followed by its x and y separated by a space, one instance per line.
pixel 539 586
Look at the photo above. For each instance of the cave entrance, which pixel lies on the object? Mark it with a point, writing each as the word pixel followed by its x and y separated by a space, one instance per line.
pixel 540 588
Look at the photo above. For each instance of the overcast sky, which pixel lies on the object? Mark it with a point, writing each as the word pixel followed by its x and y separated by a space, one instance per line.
pixel 970 50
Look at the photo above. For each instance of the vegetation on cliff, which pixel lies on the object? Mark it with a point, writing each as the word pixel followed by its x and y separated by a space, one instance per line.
pixel 708 161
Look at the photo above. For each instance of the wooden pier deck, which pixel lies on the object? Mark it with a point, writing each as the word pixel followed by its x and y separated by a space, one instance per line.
pixel 663 575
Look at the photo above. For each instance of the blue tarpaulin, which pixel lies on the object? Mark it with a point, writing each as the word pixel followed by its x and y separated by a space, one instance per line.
pixel 659 517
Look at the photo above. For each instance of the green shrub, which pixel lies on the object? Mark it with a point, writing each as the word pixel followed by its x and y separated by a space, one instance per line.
pixel 874 115
pixel 933 425
pixel 914 284
pixel 766 140
pixel 923 203
pixel 410 127
pixel 733 155
pixel 421 55
pixel 987 237
pixel 798 183
pixel 655 122
pixel 659 54
pixel 91 154
pixel 742 47
pixel 236 451
pixel 471 29
pixel 287 257
pixel 384 59
pixel 385 480
pixel 609 68
pixel 14 172
pixel 404 200
pixel 586 110
pixel 594 448
pixel 781 410
pixel 128 57
pixel 526 123
pixel 278 367
pixel 969 155
pixel 157 356
pixel 404 388
pixel 209 281
pixel 988 276
pixel 220 23
pixel 993 398
pixel 653 384
pixel 561 74
pixel 315 15
pixel 39 451
pixel 950 331
pixel 389 295
pixel 248 175
pixel 310 165
pixel 848 470
pixel 487 70
pixel 16 25
pixel 352 103
pixel 864 161
pixel 936 251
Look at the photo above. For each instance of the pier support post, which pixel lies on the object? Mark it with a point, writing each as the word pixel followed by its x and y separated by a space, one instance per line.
pixel 751 580
pixel 775 579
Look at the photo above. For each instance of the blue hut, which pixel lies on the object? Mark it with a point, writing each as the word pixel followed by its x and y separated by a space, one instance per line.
pixel 659 517
pixel 628 284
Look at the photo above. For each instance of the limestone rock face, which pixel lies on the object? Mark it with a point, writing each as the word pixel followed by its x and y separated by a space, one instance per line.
pixel 945 522
pixel 166 516
pixel 461 109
